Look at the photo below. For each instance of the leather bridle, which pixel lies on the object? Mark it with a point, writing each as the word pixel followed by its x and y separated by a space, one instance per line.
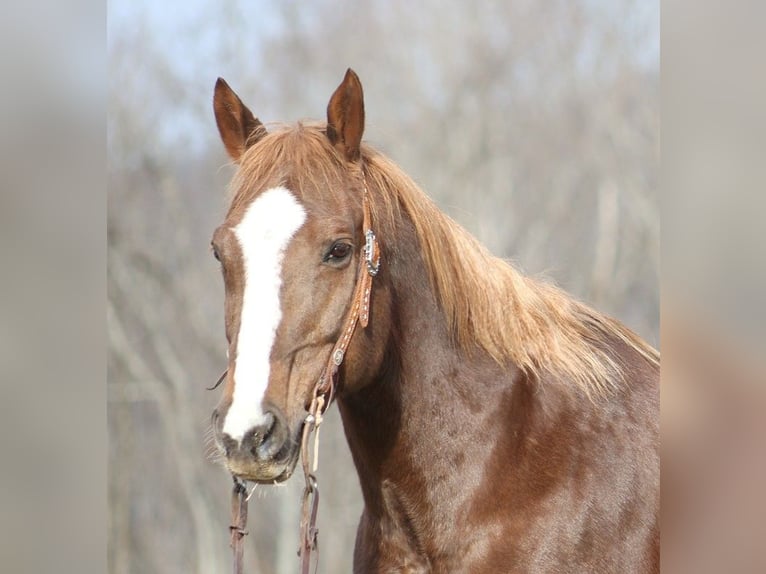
pixel 369 264
pixel 324 390
pixel 321 397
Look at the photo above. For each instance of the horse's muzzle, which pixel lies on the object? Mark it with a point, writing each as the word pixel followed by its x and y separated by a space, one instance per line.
pixel 266 453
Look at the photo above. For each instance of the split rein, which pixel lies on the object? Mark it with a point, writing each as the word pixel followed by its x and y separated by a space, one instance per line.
pixel 322 395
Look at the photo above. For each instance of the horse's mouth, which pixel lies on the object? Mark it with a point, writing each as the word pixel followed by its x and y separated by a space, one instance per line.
pixel 262 474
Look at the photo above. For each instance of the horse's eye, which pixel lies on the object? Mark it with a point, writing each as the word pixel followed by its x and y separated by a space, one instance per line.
pixel 215 252
pixel 338 252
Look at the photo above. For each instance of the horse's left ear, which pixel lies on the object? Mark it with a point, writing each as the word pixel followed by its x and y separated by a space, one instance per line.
pixel 345 116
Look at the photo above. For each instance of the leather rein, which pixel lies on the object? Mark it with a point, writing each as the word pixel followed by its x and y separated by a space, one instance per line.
pixel 322 396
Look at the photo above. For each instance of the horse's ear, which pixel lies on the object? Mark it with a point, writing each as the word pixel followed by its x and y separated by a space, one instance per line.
pixel 238 127
pixel 345 116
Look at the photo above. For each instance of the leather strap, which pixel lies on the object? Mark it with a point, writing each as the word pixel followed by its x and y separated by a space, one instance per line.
pixel 326 387
pixel 238 523
pixel 369 264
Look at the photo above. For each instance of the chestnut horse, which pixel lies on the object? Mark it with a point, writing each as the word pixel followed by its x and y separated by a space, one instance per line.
pixel 496 424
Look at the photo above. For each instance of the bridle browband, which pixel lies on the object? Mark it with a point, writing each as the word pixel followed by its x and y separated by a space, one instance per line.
pixel 321 397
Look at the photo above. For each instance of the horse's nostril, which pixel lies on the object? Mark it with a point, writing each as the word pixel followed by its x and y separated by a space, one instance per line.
pixel 228 444
pixel 270 440
pixel 257 436
pixel 269 426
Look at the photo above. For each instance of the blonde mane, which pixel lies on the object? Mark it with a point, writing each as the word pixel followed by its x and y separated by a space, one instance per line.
pixel 510 316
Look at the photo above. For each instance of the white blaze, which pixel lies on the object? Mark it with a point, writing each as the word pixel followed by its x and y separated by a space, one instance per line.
pixel 263 234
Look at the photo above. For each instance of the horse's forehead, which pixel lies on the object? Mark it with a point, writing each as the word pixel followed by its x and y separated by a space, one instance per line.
pixel 272 199
pixel 270 214
pixel 320 197
pixel 266 220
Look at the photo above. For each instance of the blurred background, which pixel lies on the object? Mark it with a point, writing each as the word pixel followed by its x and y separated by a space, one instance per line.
pixel 534 124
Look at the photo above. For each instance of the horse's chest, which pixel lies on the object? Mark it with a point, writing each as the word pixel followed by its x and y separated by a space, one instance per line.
pixel 383 546
pixel 403 539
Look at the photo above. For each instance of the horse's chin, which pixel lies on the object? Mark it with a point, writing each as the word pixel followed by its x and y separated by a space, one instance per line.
pixel 264 471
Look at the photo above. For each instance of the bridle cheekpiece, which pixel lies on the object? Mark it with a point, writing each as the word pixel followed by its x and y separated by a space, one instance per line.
pixel 325 388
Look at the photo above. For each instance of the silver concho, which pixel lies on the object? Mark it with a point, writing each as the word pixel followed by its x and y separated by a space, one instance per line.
pixel 337 357
pixel 372 266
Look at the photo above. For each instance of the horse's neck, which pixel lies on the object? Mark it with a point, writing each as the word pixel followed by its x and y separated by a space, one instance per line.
pixel 425 428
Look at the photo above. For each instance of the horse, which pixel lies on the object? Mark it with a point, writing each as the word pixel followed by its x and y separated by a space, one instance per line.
pixel 496 423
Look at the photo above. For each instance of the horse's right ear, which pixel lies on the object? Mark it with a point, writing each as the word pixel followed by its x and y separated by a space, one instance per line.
pixel 345 116
pixel 238 127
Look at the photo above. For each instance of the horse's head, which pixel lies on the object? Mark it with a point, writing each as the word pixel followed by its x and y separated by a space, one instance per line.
pixel 290 250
